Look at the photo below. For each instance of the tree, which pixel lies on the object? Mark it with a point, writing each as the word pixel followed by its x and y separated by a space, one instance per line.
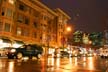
pixel 77 37
pixel 97 39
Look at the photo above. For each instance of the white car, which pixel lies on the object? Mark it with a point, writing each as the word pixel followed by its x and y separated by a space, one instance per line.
pixel 104 53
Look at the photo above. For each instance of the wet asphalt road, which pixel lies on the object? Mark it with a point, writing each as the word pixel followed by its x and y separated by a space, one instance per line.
pixel 74 64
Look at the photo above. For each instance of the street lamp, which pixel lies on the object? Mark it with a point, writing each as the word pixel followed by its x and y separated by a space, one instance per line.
pixel 65 36
pixel 68 29
pixel 90 42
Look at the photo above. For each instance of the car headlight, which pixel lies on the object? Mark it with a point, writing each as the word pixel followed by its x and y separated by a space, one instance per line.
pixel 75 54
pixel 13 50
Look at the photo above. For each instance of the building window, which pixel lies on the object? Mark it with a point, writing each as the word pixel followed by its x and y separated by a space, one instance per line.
pixel 45 17
pixel 3 11
pixel 61 26
pixel 9 13
pixel 1 26
pixel 35 24
pixel 35 35
pixel 22 7
pixel 11 1
pixel 20 18
pixel 7 27
pixel 26 20
pixel 19 31
pixel 25 32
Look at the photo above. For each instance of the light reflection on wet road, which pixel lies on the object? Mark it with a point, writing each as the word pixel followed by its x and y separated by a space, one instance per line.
pixel 83 64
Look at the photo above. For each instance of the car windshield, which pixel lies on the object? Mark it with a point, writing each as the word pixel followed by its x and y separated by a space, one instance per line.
pixel 64 52
pixel 33 46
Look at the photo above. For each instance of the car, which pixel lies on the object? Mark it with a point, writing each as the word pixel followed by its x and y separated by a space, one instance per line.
pixel 25 50
pixel 64 54
pixel 104 53
pixel 3 52
pixel 76 53
pixel 61 54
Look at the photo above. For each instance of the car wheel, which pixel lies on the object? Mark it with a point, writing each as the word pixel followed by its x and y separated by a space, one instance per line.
pixel 39 56
pixel 19 55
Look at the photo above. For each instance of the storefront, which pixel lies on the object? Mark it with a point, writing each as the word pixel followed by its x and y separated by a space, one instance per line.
pixel 4 43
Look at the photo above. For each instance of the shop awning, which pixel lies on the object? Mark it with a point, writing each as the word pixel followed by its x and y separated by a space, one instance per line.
pixel 6 40
pixel 19 42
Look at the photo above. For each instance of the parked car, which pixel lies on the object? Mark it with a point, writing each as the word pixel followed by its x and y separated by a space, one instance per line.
pixel 62 54
pixel 104 53
pixel 2 51
pixel 76 53
pixel 25 50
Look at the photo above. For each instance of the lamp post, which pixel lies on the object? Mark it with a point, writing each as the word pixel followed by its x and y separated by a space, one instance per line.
pixel 64 39
pixel 68 36
pixel 90 43
pixel 68 30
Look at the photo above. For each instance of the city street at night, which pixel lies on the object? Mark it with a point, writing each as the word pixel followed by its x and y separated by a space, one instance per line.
pixel 74 64
pixel 53 35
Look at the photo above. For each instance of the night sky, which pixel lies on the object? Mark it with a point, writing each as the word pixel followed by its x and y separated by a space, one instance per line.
pixel 87 15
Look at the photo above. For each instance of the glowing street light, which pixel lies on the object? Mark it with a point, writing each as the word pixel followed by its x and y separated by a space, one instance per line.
pixel 68 34
pixel 68 29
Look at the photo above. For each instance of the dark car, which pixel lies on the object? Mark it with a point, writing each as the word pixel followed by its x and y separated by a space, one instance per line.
pixel 64 54
pixel 25 50
pixel 61 54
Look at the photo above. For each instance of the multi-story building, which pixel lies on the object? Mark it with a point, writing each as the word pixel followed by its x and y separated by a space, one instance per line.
pixel 62 20
pixel 30 21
